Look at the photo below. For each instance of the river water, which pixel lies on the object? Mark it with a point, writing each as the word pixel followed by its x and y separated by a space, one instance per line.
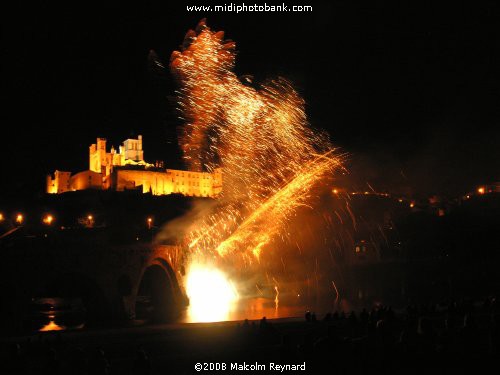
pixel 396 285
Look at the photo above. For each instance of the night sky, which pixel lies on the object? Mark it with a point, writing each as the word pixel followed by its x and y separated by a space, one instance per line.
pixel 412 94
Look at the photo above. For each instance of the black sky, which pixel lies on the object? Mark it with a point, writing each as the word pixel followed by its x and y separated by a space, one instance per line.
pixel 409 91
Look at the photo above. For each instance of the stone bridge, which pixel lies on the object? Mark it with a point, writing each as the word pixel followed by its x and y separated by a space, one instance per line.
pixel 89 264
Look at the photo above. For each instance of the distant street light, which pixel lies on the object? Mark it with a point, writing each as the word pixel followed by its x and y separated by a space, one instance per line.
pixel 19 219
pixel 48 219
pixel 150 222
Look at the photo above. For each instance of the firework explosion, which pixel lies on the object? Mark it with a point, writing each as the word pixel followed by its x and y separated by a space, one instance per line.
pixel 270 158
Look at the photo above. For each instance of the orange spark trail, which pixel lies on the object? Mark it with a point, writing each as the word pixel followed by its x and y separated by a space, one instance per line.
pixel 266 221
pixel 258 134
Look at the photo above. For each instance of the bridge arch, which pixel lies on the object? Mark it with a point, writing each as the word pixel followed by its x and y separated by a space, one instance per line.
pixel 159 296
pixel 124 285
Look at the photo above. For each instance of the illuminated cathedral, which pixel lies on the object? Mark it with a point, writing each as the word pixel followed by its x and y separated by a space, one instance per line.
pixel 126 169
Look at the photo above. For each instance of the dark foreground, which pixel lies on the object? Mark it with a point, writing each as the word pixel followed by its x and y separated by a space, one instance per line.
pixel 457 337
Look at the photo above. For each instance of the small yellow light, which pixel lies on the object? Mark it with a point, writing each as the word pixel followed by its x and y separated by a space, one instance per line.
pixel 48 219
pixel 90 217
pixel 335 191
pixel 1 217
pixel 481 190
pixel 412 205
pixel 19 219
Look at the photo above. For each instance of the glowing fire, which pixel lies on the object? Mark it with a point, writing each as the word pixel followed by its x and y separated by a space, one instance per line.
pixel 211 294
pixel 259 135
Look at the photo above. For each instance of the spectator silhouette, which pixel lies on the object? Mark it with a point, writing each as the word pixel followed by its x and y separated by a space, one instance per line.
pixel 52 364
pixel 306 348
pixel 353 320
pixel 308 316
pixel 448 338
pixel 288 352
pixel 469 337
pixel 427 335
pixel 494 337
pixel 142 364
pixel 78 363
pixel 330 350
pixel 335 315
pixel 15 363
pixel 101 364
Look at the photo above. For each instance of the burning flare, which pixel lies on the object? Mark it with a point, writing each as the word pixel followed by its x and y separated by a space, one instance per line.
pixel 210 293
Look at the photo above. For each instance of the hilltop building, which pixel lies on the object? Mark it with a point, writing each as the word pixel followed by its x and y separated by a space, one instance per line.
pixel 126 169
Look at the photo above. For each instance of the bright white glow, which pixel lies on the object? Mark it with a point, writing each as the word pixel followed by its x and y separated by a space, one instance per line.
pixel 211 294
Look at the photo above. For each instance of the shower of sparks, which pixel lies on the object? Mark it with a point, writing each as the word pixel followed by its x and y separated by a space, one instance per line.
pixel 259 135
pixel 337 295
pixel 276 299
pixel 268 219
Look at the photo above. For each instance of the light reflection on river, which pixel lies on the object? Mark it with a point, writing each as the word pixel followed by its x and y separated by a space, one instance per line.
pixel 52 325
pixel 55 314
pixel 259 307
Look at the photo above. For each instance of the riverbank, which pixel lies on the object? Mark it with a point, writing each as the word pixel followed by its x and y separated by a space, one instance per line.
pixel 461 334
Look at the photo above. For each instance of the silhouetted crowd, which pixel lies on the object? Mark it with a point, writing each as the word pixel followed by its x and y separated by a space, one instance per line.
pixel 77 361
pixel 459 337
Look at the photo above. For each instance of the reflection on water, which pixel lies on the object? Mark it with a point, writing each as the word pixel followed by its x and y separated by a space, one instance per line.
pixel 212 313
pixel 55 314
pixel 258 307
pixel 52 325
pixel 386 284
